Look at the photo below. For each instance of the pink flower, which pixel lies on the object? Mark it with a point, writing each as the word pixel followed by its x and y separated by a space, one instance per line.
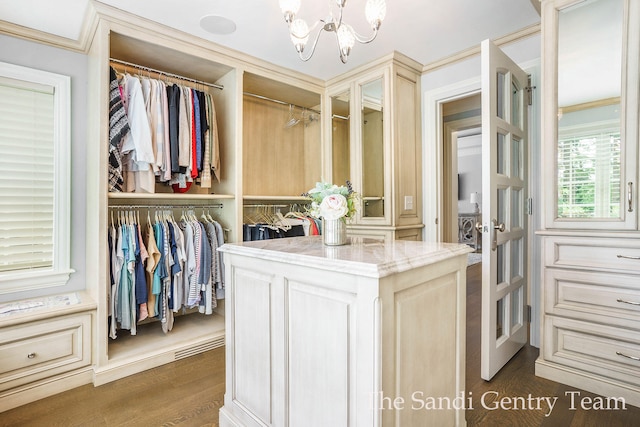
pixel 334 207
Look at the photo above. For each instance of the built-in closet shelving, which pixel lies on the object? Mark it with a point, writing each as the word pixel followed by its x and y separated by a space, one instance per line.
pixel 175 60
pixel 282 150
pixel 262 162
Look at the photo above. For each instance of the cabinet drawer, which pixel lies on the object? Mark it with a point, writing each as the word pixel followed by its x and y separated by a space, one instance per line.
pixel 37 350
pixel 593 296
pixel 597 349
pixel 593 253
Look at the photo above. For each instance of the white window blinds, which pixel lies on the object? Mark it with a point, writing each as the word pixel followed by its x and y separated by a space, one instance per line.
pixel 26 175
pixel 35 144
pixel 589 176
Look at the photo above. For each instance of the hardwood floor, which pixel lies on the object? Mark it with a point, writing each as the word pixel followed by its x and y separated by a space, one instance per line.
pixel 517 379
pixel 189 392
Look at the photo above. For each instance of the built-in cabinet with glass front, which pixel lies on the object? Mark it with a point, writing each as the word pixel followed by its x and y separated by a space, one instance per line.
pixel 590 239
pixel 375 144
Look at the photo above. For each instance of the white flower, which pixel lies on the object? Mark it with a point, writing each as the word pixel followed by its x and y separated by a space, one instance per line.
pixel 333 206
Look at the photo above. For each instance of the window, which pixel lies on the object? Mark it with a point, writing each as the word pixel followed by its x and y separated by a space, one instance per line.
pixel 34 178
pixel 589 174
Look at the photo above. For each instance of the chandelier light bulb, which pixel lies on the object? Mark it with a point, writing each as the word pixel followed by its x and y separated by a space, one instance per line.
pixel 289 9
pixel 346 40
pixel 346 37
pixel 299 34
pixel 375 11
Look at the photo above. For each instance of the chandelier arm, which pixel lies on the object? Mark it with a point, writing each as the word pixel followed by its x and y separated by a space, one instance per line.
pixel 365 40
pixel 339 24
pixel 311 29
pixel 313 46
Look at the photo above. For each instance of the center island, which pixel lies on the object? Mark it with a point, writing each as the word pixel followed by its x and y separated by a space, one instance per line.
pixel 369 333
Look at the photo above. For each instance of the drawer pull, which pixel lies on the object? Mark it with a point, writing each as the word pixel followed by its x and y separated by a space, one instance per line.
pixel 628 357
pixel 31 356
pixel 628 257
pixel 628 302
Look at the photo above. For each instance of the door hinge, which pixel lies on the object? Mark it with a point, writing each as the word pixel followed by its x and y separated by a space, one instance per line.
pixel 528 313
pixel 436 221
pixel 529 90
pixel 529 206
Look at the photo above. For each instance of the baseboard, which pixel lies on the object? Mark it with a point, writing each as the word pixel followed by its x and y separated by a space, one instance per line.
pixel 588 382
pixel 37 390
pixel 130 366
pixel 227 419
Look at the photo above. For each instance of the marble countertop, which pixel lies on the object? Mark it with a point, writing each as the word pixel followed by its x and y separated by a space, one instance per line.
pixel 361 256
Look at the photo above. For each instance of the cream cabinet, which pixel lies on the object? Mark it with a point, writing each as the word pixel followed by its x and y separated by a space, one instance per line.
pixel 591 241
pixel 374 128
pixel 45 349
pixel 590 114
pixel 591 319
pixel 331 336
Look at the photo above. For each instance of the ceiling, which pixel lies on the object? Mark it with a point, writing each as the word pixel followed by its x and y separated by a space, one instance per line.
pixel 425 30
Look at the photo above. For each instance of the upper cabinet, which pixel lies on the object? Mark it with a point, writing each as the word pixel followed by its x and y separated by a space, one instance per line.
pixel 590 116
pixel 374 126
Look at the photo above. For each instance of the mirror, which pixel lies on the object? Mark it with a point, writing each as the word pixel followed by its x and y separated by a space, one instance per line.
pixel 372 149
pixel 590 46
pixel 340 138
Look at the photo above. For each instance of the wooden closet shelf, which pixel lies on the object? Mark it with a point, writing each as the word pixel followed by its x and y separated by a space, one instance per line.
pixel 173 197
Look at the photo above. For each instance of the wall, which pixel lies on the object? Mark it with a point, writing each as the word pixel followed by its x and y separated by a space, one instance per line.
pixel 29 54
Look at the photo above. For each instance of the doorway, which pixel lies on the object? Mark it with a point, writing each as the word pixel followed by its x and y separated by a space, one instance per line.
pixel 462 170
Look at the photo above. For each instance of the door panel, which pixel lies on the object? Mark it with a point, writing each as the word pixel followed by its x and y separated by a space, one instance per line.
pixel 504 223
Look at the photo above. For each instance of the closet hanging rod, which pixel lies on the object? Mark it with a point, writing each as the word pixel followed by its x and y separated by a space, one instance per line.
pixel 338 116
pixel 125 207
pixel 153 70
pixel 266 206
pixel 277 101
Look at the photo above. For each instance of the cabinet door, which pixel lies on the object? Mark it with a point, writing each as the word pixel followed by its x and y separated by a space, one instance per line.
pixel 372 151
pixel 590 121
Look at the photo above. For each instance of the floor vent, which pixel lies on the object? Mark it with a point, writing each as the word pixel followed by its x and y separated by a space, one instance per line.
pixel 199 349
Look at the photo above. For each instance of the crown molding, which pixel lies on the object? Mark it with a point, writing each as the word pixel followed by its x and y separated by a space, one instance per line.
pixel 79 45
pixel 522 34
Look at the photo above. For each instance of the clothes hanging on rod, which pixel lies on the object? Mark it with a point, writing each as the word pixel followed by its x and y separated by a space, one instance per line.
pixel 265 222
pixel 164 73
pixel 160 132
pixel 162 267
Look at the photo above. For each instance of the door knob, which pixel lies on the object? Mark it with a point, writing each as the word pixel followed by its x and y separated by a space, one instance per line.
pixel 494 234
pixel 479 227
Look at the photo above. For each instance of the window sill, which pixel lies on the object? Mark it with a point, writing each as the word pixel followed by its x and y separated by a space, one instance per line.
pixel 26 281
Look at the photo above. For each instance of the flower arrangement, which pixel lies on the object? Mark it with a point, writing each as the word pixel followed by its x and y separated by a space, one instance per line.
pixel 330 201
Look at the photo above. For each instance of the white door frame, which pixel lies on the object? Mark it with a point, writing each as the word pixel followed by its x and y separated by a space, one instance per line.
pixel 433 175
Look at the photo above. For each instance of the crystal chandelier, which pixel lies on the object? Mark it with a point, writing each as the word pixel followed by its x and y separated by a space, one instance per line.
pixel 346 36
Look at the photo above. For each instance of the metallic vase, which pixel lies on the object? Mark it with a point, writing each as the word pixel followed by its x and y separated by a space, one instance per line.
pixel 334 231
